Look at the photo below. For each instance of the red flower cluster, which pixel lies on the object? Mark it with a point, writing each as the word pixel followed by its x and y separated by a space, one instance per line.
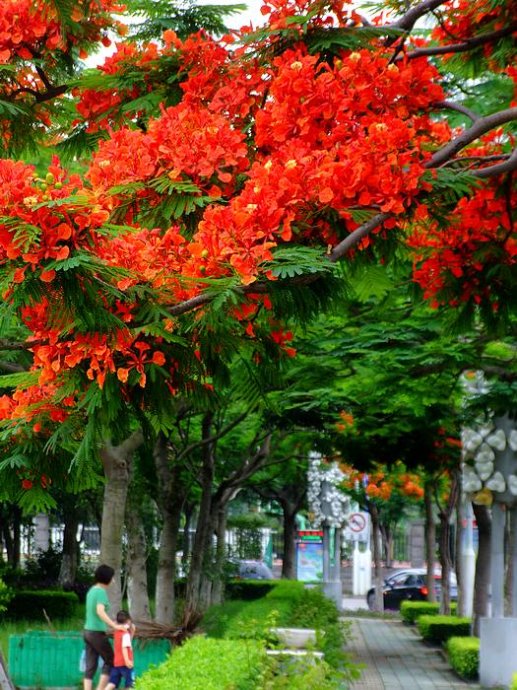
pixel 452 267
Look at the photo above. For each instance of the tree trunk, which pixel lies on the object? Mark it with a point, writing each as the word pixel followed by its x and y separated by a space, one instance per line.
pixel 116 461
pixel 188 513
pixel 70 555
pixel 387 540
pixel 377 563
pixel 289 510
pixel 137 590
pixel 445 540
pixel 220 555
pixel 482 578
pixel 430 539
pixel 170 502
pixel 196 591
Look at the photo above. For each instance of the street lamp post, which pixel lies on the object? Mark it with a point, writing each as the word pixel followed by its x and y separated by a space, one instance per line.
pixel 490 478
pixel 329 506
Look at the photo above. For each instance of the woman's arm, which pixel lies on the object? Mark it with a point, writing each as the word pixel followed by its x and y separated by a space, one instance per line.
pixel 101 612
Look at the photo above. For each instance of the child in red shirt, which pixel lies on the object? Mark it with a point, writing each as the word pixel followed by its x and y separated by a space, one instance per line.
pixel 123 652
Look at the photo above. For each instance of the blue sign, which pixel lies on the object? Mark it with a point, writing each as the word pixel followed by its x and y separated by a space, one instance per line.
pixel 309 561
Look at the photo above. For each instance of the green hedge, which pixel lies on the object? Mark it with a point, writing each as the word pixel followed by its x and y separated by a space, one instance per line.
pixel 208 664
pixel 441 628
pixel 411 610
pixel 31 605
pixel 463 654
pixel 247 590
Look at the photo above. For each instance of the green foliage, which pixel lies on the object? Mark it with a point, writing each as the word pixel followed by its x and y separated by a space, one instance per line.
pixel 248 590
pixel 38 605
pixel 411 610
pixel 463 655
pixel 438 629
pixel 286 673
pixel 153 17
pixel 6 594
pixel 208 664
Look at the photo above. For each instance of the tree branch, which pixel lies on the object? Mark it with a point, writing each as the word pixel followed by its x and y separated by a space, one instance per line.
pixel 407 22
pixel 356 235
pixel 499 169
pixel 449 105
pixel 462 46
pixel 11 367
pixel 480 127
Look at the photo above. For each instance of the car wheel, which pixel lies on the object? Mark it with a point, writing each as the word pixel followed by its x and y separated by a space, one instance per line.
pixel 370 600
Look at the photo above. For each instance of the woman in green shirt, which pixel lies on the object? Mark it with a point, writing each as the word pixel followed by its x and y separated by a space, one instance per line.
pixel 95 627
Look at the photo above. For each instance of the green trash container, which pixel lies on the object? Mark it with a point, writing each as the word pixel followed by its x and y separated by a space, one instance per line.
pixel 42 659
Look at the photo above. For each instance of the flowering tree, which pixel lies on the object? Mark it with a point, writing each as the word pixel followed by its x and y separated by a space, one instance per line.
pixel 222 176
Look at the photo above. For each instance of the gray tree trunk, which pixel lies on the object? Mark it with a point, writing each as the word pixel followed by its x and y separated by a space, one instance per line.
pixel 170 499
pixel 378 579
pixel 445 540
pixel 137 590
pixel 289 539
pixel 482 578
pixel 70 555
pixel 196 590
pixel 116 461
pixel 220 555
pixel 430 539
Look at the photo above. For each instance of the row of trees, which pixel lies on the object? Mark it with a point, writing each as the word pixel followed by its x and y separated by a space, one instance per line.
pixel 201 206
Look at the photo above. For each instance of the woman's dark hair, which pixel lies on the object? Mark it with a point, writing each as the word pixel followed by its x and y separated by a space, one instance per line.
pixel 104 574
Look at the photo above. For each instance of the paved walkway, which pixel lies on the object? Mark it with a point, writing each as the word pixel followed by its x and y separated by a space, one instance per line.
pixel 395 658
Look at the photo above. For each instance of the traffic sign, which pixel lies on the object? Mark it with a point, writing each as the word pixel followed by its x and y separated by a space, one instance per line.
pixel 357 527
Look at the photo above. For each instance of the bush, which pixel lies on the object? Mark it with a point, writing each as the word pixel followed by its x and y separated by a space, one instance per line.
pixel 300 674
pixel 247 590
pixel 30 605
pixel 208 664
pixel 463 654
pixel 441 628
pixel 6 594
pixel 411 610
pixel 513 686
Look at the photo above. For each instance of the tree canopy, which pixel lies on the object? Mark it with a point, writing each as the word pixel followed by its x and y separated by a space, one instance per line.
pixel 206 190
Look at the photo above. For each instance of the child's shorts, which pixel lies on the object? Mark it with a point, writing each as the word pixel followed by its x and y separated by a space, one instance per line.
pixel 119 672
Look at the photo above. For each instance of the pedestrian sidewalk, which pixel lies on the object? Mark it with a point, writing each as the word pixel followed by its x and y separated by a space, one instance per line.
pixel 395 658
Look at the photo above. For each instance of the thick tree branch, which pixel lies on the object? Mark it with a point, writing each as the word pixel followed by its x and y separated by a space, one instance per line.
pixel 11 367
pixel 449 105
pixel 408 21
pixel 480 127
pixel 462 46
pixel 499 169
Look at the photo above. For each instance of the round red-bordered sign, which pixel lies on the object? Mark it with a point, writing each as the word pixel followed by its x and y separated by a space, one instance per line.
pixel 357 522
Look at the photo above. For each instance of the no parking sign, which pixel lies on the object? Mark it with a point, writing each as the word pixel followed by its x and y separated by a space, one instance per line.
pixel 357 527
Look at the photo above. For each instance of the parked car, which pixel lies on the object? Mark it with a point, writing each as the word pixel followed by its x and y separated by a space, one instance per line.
pixel 409 584
pixel 253 570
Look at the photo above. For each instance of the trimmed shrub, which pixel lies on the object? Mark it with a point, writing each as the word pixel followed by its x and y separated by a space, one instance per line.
pixel 441 628
pixel 30 605
pixel 208 664
pixel 411 610
pixel 513 686
pixel 463 654
pixel 247 590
